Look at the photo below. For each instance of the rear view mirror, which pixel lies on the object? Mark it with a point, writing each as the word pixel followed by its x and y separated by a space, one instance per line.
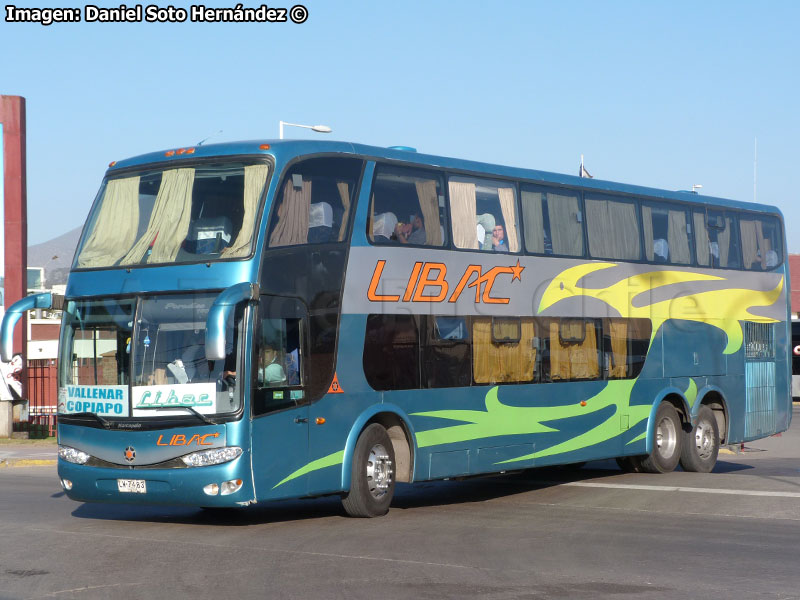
pixel 219 314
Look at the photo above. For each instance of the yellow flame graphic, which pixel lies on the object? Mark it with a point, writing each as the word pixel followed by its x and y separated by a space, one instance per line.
pixel 720 308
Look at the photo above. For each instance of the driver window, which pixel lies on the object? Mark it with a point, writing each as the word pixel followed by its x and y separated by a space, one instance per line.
pixel 277 368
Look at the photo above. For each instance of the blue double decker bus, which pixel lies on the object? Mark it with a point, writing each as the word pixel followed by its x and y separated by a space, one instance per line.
pixel 254 321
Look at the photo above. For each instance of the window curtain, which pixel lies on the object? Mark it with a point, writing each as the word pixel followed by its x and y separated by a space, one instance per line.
pixel 255 176
pixel 702 245
pixel 502 362
pixel 292 226
pixel 114 230
pixel 429 205
pixel 506 196
pixel 569 361
pixel 533 221
pixel 344 194
pixel 565 229
pixel 749 244
pixel 371 219
pixel 624 232
pixel 613 229
pixel 618 356
pixel 678 238
pixel 647 229
pixel 169 221
pixel 724 241
pixel 463 209
pixel 598 227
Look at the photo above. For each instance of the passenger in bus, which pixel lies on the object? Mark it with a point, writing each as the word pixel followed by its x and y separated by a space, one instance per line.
pixel 486 225
pixel 412 232
pixel 383 227
pixel 499 239
pixel 660 250
pixel 270 368
pixel 320 223
pixel 713 250
pixel 293 367
pixel 772 259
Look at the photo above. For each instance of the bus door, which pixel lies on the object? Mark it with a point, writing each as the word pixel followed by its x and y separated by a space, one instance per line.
pixel 278 400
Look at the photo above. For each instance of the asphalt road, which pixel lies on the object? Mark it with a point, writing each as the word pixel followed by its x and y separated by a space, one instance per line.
pixel 591 533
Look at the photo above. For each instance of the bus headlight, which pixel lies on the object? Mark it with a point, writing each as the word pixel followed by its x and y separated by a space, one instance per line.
pixel 73 455
pixel 212 456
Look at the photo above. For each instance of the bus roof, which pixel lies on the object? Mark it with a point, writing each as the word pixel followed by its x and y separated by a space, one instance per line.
pixel 285 150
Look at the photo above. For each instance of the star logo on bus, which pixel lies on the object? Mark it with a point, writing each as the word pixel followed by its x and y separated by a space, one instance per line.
pixel 517 272
pixel 130 454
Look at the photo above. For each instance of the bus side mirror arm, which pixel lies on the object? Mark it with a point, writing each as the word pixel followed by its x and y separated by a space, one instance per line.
pixel 13 314
pixel 218 316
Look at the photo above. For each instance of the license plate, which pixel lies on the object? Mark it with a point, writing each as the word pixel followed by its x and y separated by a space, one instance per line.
pixel 132 486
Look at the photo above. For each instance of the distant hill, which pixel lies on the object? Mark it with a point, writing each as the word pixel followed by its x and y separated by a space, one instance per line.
pixel 55 256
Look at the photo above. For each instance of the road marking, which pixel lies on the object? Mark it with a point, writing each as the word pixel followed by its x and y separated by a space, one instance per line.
pixel 671 488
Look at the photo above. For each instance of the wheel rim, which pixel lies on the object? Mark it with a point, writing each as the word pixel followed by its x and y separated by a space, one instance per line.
pixel 704 440
pixel 666 437
pixel 379 471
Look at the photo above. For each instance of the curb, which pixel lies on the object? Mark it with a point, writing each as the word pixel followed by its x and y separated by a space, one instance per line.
pixel 27 462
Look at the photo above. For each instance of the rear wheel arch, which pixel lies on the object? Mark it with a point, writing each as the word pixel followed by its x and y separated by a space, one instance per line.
pixel 682 406
pixel 716 402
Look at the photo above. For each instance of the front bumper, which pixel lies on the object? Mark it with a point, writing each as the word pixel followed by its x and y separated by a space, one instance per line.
pixel 177 487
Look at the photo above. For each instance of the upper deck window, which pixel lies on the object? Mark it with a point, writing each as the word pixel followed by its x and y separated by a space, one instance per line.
pixel 666 234
pixel 716 239
pixel 186 214
pixel 484 214
pixel 552 221
pixel 761 241
pixel 407 208
pixel 313 203
pixel 613 229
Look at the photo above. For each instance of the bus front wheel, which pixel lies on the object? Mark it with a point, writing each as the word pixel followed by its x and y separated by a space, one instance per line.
pixel 372 478
pixel 701 444
pixel 667 443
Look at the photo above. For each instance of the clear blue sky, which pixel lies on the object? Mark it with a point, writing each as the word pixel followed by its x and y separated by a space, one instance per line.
pixel 666 94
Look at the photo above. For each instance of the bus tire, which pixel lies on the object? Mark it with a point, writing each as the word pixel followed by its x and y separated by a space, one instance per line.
pixel 372 477
pixel 701 444
pixel 668 435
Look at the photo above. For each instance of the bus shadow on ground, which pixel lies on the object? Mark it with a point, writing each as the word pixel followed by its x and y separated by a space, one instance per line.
pixel 452 491
pixel 440 493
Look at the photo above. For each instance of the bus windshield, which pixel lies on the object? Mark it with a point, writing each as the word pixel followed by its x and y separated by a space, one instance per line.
pixel 158 367
pixel 187 214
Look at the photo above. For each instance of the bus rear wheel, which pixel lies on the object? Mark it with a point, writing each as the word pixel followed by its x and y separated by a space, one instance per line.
pixel 667 443
pixel 701 444
pixel 372 477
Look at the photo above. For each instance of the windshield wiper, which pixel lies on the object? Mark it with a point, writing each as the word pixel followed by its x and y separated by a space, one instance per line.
pixel 105 423
pixel 199 415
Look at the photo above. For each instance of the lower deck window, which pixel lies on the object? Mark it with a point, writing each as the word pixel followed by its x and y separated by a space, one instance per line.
pixel 421 351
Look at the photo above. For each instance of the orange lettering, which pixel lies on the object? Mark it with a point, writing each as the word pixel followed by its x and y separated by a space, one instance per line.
pixel 464 279
pixel 439 282
pixel 158 442
pixel 420 278
pixel 489 278
pixel 192 439
pixel 373 286
pixel 178 440
pixel 412 281
pixel 203 442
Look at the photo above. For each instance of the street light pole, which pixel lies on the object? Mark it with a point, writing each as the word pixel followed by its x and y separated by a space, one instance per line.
pixel 317 128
